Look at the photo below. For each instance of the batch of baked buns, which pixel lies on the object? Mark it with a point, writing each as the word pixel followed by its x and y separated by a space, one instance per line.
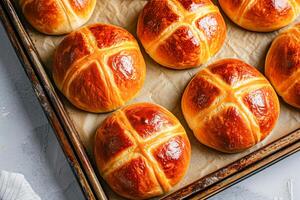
pixel 142 150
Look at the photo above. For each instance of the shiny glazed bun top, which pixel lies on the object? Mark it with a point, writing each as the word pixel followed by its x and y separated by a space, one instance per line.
pixel 181 33
pixel 283 65
pixel 142 151
pixel 230 106
pixel 55 17
pixel 99 68
pixel 261 15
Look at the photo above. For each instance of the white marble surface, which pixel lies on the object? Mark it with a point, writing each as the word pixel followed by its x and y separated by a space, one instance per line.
pixel 27 143
pixel 28 146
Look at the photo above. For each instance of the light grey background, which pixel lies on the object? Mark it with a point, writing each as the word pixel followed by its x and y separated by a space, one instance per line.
pixel 28 146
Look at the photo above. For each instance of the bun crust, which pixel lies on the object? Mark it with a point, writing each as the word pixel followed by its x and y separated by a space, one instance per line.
pixel 181 34
pixel 261 15
pixel 99 68
pixel 56 17
pixel 283 65
pixel 142 151
pixel 230 106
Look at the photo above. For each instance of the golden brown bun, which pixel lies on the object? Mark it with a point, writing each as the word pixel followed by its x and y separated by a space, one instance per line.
pixel 99 67
pixel 181 34
pixel 142 151
pixel 283 65
pixel 56 17
pixel 261 15
pixel 230 106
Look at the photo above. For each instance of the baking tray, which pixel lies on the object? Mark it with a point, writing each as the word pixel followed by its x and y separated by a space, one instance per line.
pixel 74 150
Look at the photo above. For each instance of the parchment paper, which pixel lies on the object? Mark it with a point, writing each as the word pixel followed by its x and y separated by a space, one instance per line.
pixel 165 87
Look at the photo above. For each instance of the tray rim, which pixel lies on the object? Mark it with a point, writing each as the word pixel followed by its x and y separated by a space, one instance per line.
pixel 74 151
